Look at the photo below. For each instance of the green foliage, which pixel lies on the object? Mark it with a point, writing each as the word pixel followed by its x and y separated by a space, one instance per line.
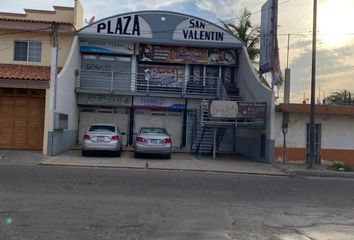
pixel 341 167
pixel 248 33
pixel 342 97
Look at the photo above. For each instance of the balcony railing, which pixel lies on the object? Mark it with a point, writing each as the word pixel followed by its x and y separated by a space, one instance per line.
pixel 127 83
pixel 249 114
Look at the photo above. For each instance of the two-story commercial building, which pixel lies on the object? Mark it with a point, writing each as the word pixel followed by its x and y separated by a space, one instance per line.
pixel 166 69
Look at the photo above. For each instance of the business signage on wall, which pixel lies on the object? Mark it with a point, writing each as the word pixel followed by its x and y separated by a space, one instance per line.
pixel 97 46
pixel 130 25
pixel 171 54
pixel 223 109
pixel 161 26
pixel 159 103
pixel 170 76
pixel 107 100
pixel 194 29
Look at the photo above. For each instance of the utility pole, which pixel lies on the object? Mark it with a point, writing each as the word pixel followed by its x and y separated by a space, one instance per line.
pixel 54 42
pixel 313 87
pixel 286 100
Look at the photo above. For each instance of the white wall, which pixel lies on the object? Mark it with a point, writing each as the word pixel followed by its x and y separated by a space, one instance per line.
pixel 66 97
pixel 337 131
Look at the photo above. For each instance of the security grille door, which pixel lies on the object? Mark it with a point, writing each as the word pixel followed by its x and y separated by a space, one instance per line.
pixel 118 116
pixel 171 120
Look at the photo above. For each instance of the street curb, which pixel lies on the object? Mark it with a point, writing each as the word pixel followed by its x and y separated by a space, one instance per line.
pixel 315 173
pixel 161 169
pixel 310 173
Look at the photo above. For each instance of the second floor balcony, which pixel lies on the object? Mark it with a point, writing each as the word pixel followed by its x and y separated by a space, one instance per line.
pixel 144 84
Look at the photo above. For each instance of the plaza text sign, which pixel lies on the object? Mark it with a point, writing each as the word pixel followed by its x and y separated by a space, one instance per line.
pixel 131 25
pixel 198 30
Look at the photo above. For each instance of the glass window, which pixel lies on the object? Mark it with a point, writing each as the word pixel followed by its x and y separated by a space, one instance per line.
pixel 28 51
pixel 100 128
pixel 153 131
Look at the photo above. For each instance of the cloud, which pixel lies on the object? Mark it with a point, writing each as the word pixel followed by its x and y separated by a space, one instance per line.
pixel 102 9
pixel 334 70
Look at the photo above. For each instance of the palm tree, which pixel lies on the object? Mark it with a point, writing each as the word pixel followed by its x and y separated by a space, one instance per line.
pixel 248 33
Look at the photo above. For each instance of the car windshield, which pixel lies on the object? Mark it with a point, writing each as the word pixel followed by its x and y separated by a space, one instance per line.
pixel 153 131
pixel 99 128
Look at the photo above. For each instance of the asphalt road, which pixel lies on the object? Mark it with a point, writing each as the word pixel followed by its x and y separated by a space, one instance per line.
pixel 78 203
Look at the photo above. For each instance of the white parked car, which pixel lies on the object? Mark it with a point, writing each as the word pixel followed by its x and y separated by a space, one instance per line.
pixel 153 140
pixel 102 137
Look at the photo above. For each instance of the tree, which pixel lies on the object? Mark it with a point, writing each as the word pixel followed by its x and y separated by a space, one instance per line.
pixel 340 97
pixel 248 33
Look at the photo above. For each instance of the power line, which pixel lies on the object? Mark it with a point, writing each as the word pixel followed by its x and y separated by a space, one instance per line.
pixel 24 31
pixel 253 13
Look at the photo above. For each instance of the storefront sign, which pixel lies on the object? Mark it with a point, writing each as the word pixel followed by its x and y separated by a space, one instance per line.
pixel 161 27
pixel 223 109
pixel 197 30
pixel 161 75
pixel 97 46
pixel 170 54
pixel 110 100
pixel 163 103
pixel 131 25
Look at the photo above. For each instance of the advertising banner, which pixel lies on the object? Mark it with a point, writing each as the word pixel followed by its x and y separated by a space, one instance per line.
pixel 186 55
pixel 167 76
pixel 266 38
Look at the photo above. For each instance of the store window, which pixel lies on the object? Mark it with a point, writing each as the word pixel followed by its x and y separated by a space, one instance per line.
pixel 28 51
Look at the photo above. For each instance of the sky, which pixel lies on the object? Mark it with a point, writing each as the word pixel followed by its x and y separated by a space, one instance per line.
pixel 335 29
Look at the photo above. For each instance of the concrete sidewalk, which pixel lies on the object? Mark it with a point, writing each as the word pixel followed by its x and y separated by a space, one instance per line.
pixel 21 157
pixel 178 161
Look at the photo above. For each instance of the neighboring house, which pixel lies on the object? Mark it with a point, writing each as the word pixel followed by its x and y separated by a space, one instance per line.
pixel 334 126
pixel 25 60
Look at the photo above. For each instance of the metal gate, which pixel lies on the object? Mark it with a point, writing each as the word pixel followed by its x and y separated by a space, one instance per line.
pixel 171 120
pixel 111 115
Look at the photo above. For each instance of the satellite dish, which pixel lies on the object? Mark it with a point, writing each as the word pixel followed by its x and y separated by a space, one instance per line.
pixel 92 19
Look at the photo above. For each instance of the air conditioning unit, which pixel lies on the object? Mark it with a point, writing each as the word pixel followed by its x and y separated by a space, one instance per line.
pixel 61 121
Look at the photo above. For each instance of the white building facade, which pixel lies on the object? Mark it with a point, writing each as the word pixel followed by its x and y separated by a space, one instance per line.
pixel 165 69
pixel 334 133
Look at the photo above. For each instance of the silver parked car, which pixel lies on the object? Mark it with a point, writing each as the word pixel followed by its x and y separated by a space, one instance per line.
pixel 153 140
pixel 102 137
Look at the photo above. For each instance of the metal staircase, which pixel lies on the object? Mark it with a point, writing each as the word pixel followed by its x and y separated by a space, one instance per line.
pixel 203 141
pixel 251 115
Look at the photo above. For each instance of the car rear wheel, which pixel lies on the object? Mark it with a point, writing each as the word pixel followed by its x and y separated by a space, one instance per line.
pixel 83 153
pixel 137 155
pixel 168 156
pixel 119 153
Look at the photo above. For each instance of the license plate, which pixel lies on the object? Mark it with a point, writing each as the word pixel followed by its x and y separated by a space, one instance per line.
pixel 154 141
pixel 100 138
